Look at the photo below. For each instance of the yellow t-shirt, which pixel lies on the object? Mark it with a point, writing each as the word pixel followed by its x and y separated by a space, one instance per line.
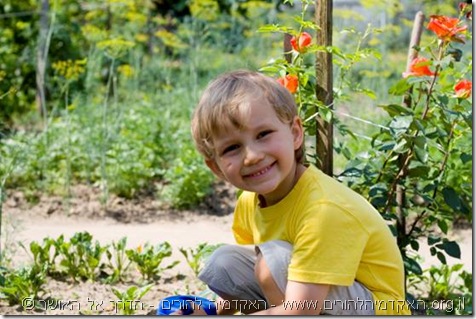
pixel 337 237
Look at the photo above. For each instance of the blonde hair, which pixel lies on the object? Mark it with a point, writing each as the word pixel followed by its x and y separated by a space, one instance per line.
pixel 222 104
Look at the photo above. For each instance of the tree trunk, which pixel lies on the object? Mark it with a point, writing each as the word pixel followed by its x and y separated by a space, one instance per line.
pixel 324 86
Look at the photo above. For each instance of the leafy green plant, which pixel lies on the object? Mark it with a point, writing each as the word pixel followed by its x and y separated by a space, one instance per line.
pixel 128 301
pixel 26 282
pixel 44 255
pixel 445 282
pixel 118 262
pixel 189 180
pixel 196 257
pixel 148 258
pixel 447 290
pixel 81 258
pixel 424 143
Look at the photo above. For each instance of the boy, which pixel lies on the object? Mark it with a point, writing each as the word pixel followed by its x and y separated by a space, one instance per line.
pixel 319 247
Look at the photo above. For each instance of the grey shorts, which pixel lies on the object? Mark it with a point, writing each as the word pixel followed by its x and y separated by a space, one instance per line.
pixel 230 271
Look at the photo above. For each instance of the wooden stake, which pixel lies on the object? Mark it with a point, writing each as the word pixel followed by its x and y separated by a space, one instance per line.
pixel 324 86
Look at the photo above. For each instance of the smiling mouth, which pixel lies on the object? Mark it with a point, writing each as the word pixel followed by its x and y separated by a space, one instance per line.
pixel 260 172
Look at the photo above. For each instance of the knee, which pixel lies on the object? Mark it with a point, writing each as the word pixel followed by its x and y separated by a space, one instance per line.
pixel 231 261
pixel 223 258
pixel 229 272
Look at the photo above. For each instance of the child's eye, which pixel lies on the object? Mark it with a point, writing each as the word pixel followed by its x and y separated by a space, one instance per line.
pixel 230 148
pixel 264 133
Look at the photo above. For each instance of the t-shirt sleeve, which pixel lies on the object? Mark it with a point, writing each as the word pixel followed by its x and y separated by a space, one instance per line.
pixel 242 229
pixel 328 246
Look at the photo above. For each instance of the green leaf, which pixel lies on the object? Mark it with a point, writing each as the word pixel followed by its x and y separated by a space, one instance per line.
pixel 400 88
pixel 418 79
pixel 420 141
pixel 401 147
pixel 387 146
pixel 421 154
pixel 413 266
pixel 131 290
pixel 452 249
pixel 277 28
pixel 419 170
pixel 400 124
pixel 451 198
pixel 396 109
pixel 371 94
pixel 443 226
pixel 432 239
pixel 465 158
pixel 415 245
pixel 441 257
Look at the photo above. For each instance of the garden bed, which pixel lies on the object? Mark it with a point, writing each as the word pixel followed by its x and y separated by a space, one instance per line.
pixel 142 221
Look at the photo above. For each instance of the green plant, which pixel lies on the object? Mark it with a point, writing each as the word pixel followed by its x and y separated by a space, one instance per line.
pixel 196 257
pixel 44 255
pixel 129 300
pixel 447 290
pixel 21 284
pixel 81 258
pixel 118 262
pixel 189 179
pixel 424 143
pixel 149 257
pixel 299 66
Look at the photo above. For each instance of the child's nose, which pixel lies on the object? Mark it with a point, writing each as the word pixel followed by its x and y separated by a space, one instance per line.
pixel 253 155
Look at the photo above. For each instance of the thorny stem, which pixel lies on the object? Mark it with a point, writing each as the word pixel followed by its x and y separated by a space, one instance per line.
pixel 438 179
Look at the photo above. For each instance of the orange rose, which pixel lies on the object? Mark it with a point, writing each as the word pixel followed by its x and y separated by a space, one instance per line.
pixel 301 43
pixel 446 28
pixel 463 89
pixel 419 67
pixel 290 82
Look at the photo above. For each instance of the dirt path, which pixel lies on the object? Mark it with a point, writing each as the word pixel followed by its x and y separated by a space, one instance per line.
pixel 187 232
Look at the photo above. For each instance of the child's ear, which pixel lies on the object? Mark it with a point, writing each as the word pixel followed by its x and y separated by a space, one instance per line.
pixel 298 132
pixel 213 166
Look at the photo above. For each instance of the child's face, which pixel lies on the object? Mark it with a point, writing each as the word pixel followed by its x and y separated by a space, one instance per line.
pixel 260 156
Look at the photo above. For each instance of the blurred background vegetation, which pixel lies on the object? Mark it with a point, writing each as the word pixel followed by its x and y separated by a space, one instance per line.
pixel 121 77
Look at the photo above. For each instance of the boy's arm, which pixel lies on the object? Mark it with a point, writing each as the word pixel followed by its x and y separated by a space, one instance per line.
pixel 300 299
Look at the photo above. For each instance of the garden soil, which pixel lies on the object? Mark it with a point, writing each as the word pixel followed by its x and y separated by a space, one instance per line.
pixel 144 220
